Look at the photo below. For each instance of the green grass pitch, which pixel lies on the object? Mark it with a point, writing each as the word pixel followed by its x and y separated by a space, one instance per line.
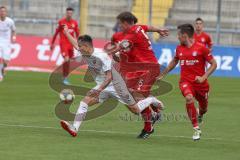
pixel 29 128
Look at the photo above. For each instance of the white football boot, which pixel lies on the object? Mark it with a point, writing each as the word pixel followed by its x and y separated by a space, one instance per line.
pixel 196 134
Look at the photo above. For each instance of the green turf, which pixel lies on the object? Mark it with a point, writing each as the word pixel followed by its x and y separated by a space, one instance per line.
pixel 26 99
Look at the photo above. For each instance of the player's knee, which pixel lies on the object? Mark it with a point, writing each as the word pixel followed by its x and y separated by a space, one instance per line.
pixel 203 108
pixel 66 59
pixel 189 99
pixel 134 109
pixel 90 100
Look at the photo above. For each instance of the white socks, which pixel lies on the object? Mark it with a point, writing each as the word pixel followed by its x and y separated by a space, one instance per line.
pixel 143 104
pixel 80 115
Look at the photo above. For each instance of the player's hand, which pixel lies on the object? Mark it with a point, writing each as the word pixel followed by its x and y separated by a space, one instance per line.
pixel 14 38
pixel 200 79
pixel 163 32
pixel 93 93
pixel 160 77
pixel 111 48
pixel 116 56
pixel 65 28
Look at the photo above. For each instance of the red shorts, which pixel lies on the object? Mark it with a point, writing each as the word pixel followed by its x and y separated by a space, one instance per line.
pixel 200 92
pixel 141 81
pixel 67 51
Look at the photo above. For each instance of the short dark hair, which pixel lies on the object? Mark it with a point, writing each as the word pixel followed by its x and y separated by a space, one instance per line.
pixel 3 7
pixel 186 28
pixel 69 9
pixel 199 19
pixel 127 17
pixel 86 39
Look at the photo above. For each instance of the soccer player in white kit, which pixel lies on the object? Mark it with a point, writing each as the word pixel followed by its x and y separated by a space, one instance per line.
pixel 7 36
pixel 99 64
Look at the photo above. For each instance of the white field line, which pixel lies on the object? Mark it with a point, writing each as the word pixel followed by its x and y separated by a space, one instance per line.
pixel 110 132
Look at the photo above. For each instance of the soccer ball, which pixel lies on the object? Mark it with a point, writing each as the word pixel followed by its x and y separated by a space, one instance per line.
pixel 66 95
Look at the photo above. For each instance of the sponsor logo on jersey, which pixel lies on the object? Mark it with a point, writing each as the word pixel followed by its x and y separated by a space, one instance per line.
pixel 181 62
pixel 194 53
pixel 191 62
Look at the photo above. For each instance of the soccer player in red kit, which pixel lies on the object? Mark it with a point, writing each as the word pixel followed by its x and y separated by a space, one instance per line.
pixel 193 83
pixel 139 82
pixel 201 36
pixel 66 47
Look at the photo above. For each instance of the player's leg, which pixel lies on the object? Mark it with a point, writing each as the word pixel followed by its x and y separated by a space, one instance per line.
pixel 82 110
pixel 66 65
pixel 123 91
pixel 1 63
pixel 67 53
pixel 80 115
pixel 143 107
pixel 140 84
pixel 5 56
pixel 143 86
pixel 136 101
pixel 144 103
pixel 188 93
pixel 202 98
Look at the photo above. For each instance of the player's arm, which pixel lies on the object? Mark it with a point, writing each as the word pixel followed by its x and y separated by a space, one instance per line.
pixel 77 31
pixel 112 48
pixel 14 36
pixel 213 65
pixel 71 39
pixel 161 31
pixel 13 33
pixel 106 81
pixel 54 37
pixel 210 70
pixel 116 57
pixel 96 92
pixel 210 43
pixel 170 67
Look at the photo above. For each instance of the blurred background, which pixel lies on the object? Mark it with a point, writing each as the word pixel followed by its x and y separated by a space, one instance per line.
pixel 97 17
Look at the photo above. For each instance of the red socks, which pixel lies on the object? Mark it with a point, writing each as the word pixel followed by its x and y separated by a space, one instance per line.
pixel 147 115
pixel 66 66
pixel 192 114
pixel 203 107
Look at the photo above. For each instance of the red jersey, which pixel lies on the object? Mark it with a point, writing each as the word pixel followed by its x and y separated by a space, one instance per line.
pixel 141 68
pixel 203 38
pixel 192 61
pixel 141 50
pixel 72 28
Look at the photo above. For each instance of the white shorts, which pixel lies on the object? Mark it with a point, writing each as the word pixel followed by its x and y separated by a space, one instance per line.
pixel 5 51
pixel 109 92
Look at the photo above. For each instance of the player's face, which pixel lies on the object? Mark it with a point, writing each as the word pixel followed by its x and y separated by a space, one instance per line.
pixel 199 25
pixel 124 26
pixel 3 13
pixel 84 48
pixel 182 38
pixel 69 14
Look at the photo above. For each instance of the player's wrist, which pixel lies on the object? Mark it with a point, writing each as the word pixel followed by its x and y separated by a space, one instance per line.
pixel 14 37
pixel 205 76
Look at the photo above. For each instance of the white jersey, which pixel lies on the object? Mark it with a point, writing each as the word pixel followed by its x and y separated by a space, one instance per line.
pixel 98 63
pixel 6 28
